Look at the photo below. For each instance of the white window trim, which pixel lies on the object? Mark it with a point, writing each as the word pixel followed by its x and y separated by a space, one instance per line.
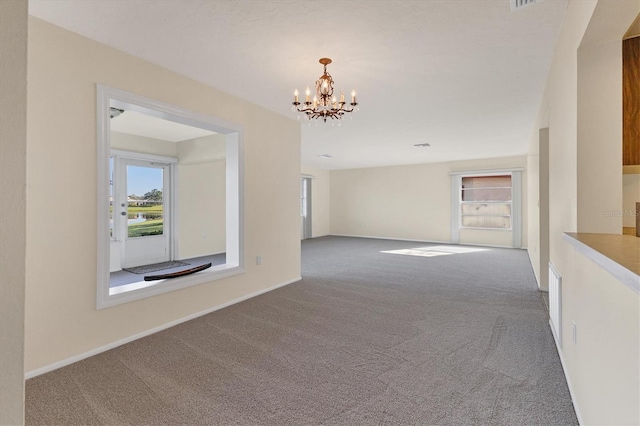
pixel 107 297
pixel 516 202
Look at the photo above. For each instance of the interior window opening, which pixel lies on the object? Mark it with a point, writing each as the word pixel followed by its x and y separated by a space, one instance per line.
pixel 169 199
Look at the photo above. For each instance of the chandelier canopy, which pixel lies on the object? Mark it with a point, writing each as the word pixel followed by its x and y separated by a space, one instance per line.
pixel 324 104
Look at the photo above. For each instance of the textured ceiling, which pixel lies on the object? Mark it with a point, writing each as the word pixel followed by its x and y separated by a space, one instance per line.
pixel 466 76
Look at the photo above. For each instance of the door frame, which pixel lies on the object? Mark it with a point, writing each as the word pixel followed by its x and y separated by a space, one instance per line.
pixel 120 157
pixel 306 204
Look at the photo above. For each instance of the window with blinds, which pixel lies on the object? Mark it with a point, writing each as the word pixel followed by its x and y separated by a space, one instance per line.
pixel 486 202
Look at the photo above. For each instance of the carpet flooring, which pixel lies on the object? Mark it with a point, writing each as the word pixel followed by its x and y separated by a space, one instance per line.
pixel 439 335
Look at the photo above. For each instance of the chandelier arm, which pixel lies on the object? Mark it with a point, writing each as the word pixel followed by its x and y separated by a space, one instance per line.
pixel 324 104
pixel 339 108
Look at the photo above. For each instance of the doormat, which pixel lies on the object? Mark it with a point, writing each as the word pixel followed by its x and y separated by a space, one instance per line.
pixel 145 269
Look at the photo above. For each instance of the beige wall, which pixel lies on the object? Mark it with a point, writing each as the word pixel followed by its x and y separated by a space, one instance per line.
pixel 602 366
pixel 201 197
pixel 604 363
pixel 61 316
pixel 203 149
pixel 202 203
pixel 486 238
pixel 320 203
pixel 538 207
pixel 533 214
pixel 13 146
pixel 143 145
pixel 406 202
pixel 599 135
pixel 409 202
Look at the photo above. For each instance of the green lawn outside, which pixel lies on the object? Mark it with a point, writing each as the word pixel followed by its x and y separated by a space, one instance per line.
pixel 142 209
pixel 148 227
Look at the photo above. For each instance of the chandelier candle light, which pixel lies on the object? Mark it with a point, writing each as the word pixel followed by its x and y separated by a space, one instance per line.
pixel 324 104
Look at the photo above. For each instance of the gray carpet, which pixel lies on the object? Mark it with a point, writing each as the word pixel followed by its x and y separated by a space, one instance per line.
pixel 366 338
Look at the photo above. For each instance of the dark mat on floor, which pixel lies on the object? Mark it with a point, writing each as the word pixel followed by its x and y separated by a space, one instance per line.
pixel 145 269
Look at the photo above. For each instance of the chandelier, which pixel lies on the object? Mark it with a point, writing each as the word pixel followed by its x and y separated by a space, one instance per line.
pixel 324 104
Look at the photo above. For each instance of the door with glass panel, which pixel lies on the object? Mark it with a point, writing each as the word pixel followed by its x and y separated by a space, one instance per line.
pixel 143 205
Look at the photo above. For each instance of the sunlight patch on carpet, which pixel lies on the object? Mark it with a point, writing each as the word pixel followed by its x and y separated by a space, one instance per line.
pixel 433 251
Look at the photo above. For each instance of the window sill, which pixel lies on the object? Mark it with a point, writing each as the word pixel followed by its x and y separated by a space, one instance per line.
pixel 617 254
pixel 143 289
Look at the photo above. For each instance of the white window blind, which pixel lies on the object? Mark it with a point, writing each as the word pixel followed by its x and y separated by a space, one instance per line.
pixel 486 202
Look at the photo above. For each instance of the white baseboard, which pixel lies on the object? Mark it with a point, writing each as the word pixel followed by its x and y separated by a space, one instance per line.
pixel 202 255
pixel 80 357
pixel 566 376
pixel 421 241
pixel 389 238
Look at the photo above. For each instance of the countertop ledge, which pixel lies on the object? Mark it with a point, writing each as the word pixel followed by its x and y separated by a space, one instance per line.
pixel 617 254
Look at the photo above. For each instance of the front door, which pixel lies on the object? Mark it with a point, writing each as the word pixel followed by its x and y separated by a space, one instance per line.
pixel 146 232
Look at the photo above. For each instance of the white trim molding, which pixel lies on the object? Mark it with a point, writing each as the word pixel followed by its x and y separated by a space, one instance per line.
pixel 488 172
pixel 516 209
pixel 516 202
pixel 456 184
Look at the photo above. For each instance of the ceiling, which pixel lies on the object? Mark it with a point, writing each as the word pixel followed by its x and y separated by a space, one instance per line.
pixel 136 123
pixel 465 76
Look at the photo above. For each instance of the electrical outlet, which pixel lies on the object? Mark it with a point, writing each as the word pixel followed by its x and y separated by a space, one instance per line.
pixel 258 260
pixel 575 332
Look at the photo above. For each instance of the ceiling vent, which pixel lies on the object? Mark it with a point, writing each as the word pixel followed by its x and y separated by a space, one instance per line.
pixel 519 4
